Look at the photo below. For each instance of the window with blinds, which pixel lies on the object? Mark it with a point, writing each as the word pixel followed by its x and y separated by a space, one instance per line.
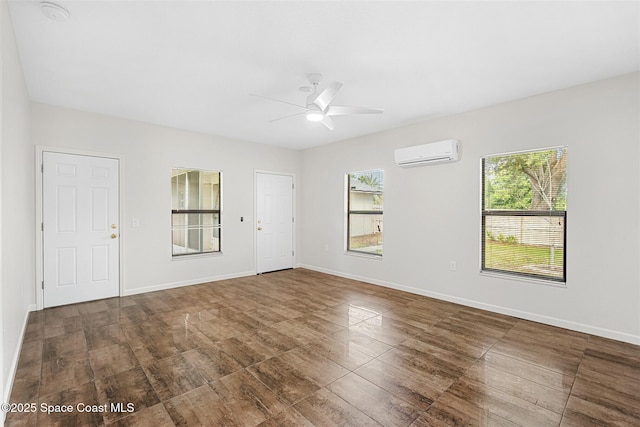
pixel 365 202
pixel 524 213
pixel 195 211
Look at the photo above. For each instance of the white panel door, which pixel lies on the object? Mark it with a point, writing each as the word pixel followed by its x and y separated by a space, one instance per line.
pixel 81 230
pixel 274 221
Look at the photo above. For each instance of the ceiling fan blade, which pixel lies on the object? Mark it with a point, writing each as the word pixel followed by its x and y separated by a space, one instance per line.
pixel 287 117
pixel 328 123
pixel 325 97
pixel 340 110
pixel 277 100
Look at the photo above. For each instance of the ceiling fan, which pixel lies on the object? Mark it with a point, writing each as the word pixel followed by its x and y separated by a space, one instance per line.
pixel 318 107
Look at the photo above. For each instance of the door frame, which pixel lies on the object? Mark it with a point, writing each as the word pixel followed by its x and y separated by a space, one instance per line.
pixel 39 150
pixel 255 215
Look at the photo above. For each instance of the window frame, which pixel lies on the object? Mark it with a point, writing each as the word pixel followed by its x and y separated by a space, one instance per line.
pixel 349 212
pixel 218 212
pixel 484 213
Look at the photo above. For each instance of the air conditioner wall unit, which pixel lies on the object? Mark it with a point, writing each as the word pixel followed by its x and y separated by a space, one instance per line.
pixel 426 154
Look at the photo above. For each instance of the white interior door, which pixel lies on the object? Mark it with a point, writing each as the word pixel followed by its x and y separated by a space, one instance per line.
pixel 80 228
pixel 274 222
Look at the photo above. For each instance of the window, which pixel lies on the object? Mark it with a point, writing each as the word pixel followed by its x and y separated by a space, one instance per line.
pixel 524 213
pixel 195 211
pixel 364 212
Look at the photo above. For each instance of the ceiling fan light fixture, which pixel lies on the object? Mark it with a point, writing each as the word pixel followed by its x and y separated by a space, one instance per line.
pixel 314 115
pixel 318 107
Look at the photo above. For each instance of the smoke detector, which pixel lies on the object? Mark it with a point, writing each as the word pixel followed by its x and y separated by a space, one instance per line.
pixel 54 12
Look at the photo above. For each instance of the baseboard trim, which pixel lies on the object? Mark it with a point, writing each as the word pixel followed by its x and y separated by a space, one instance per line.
pixel 553 321
pixel 14 362
pixel 198 281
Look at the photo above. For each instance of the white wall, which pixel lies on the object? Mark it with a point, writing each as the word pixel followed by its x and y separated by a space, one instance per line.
pixel 17 252
pixel 432 213
pixel 149 153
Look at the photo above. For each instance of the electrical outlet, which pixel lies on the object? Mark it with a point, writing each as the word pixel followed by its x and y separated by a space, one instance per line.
pixel 135 222
pixel 453 265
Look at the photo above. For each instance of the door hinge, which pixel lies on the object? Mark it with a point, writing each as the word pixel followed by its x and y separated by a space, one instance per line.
pixel 42 167
pixel 292 186
pixel 42 226
pixel 42 284
pixel 293 219
pixel 293 253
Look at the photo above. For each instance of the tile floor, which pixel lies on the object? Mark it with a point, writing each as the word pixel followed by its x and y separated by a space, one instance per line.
pixel 301 348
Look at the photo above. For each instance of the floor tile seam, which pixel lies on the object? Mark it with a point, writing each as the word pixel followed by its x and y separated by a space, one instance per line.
pixel 611 394
pixel 524 378
pixel 40 376
pixel 144 371
pixel 88 359
pixel 309 347
pixel 597 420
pixel 278 397
pixel 208 384
pixel 587 377
pixel 391 347
pixel 520 334
pixel 617 359
pixel 554 339
pixel 390 392
pixel 478 332
pixel 306 377
pixel 466 377
pixel 625 346
pixel 319 332
pixel 125 343
pixel 348 371
pixel 443 350
pixel 512 396
pixel 344 400
pixel 573 382
pixel 479 359
pixel 515 358
pixel 547 350
pixel 40 361
pixel 228 355
pixel 557 371
pixel 411 319
pixel 449 317
pixel 359 321
pixel 91 327
pixel 339 378
pixel 622 409
pixel 58 356
pixel 155 391
pixel 378 358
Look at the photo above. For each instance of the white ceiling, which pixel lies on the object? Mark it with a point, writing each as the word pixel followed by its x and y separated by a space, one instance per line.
pixel 193 64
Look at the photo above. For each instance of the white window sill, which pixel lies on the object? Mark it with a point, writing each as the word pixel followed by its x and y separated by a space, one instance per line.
pixel 363 255
pixel 194 256
pixel 530 280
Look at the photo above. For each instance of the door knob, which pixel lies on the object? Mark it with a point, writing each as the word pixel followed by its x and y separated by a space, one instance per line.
pixel 114 235
pixel 114 226
pixel 259 228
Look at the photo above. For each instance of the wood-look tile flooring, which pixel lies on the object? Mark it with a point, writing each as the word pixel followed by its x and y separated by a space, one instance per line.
pixel 301 348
